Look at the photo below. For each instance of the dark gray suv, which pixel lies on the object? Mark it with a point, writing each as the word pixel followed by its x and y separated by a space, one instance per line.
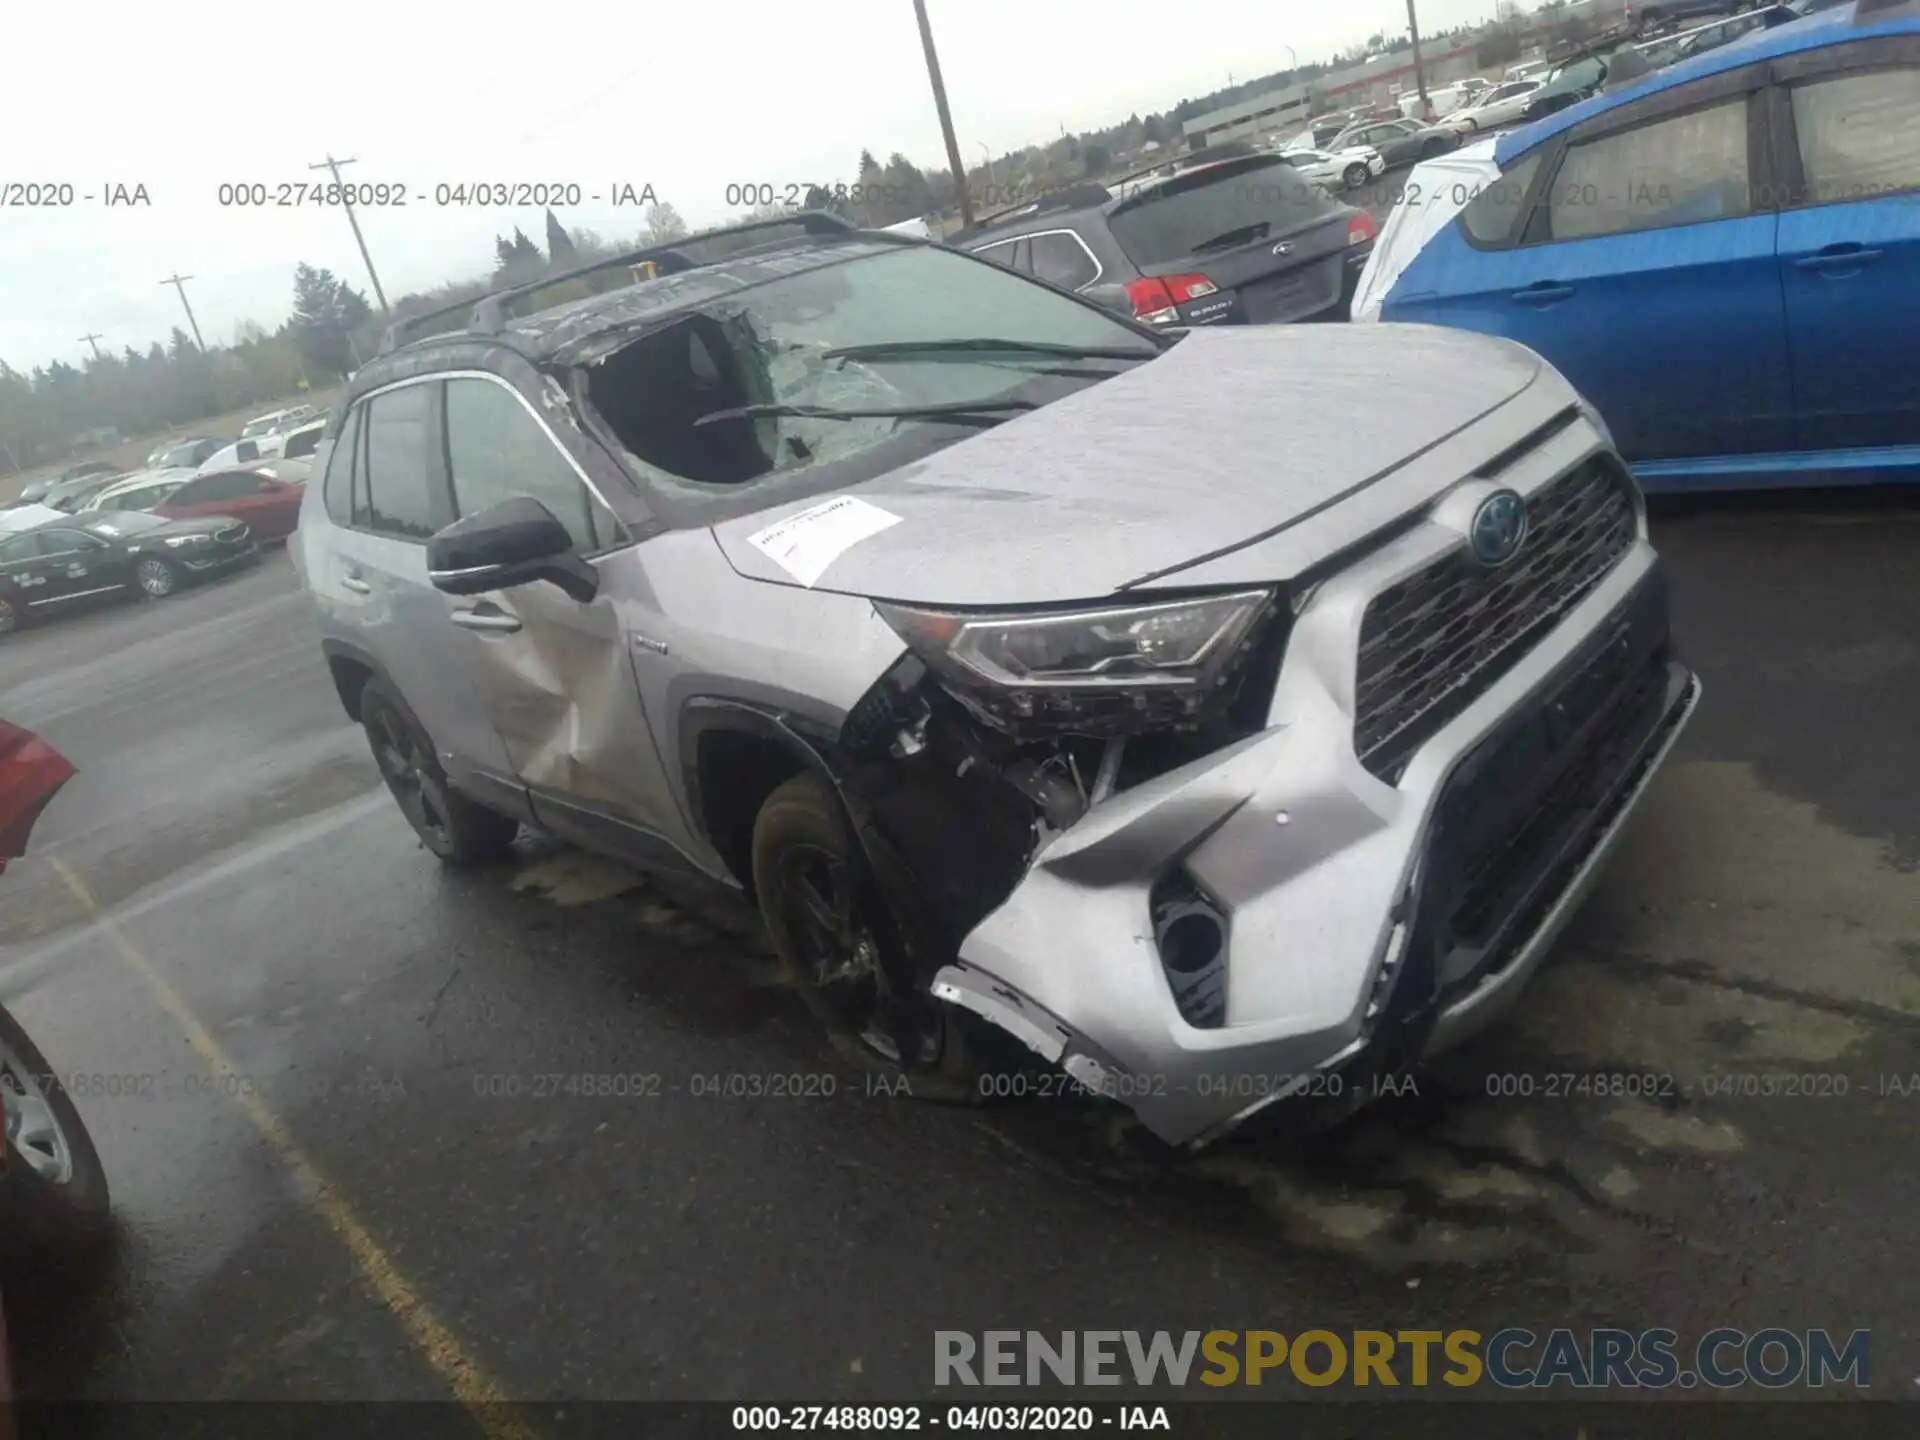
pixel 1243 240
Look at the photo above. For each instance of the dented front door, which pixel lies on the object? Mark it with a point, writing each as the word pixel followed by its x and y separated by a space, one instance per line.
pixel 561 694
pixel 555 672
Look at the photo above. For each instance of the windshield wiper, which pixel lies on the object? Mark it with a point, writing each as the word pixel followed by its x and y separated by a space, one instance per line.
pixel 965 410
pixel 887 348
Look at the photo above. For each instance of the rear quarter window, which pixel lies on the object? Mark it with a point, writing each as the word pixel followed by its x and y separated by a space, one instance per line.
pixel 338 485
pixel 1188 212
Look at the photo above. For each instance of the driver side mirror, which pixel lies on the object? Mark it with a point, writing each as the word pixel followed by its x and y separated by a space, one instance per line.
pixel 513 543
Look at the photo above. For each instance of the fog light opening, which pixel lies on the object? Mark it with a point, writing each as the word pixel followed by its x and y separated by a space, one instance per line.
pixel 1191 942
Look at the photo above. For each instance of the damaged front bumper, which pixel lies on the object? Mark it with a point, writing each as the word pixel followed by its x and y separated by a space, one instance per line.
pixel 1359 925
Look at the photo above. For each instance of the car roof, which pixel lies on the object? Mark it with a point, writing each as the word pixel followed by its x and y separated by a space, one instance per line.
pixel 577 330
pixel 1853 21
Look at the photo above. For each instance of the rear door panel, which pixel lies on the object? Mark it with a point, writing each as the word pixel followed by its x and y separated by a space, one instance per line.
pixel 1848 122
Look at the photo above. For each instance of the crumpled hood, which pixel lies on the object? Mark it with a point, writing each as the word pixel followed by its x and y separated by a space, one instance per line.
pixel 1229 437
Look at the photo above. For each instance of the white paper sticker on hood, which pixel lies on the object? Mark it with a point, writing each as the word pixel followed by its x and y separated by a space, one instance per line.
pixel 805 544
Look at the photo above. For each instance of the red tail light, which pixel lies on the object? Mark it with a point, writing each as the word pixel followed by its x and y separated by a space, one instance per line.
pixel 1156 299
pixel 1362 228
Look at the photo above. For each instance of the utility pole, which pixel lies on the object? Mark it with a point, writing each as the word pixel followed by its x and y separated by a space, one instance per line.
pixel 1419 70
pixel 94 340
pixel 954 162
pixel 332 166
pixel 179 282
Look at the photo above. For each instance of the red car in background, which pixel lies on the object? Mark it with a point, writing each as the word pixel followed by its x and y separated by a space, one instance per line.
pixel 267 496
pixel 53 1191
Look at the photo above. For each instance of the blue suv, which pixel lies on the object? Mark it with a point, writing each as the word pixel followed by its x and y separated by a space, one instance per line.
pixel 1724 257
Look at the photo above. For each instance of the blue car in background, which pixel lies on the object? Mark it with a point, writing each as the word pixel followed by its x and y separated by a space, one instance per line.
pixel 1723 256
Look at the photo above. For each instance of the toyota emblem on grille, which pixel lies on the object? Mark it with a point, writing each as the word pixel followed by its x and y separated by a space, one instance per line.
pixel 1499 528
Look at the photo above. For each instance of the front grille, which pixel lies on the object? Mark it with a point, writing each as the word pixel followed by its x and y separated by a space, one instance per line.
pixel 231 535
pixel 1431 644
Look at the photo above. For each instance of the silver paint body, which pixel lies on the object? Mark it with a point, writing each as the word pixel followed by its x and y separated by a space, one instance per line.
pixel 1243 456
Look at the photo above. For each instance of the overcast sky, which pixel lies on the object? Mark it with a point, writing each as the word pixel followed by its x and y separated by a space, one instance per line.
pixel 687 98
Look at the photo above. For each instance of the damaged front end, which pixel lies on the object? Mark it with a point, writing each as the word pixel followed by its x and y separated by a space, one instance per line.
pixel 1214 852
pixel 998 732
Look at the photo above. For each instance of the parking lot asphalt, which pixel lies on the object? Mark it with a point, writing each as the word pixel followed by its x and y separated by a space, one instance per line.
pixel 335 1178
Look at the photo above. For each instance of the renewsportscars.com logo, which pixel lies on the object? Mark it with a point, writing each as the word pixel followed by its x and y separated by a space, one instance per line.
pixel 1514 1358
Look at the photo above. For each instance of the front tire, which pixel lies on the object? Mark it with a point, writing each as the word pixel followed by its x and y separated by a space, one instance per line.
pixel 460 832
pixel 54 1203
pixel 157 578
pixel 836 938
pixel 1357 175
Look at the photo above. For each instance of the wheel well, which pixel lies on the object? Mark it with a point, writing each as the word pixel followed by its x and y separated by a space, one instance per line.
pixel 350 677
pixel 737 772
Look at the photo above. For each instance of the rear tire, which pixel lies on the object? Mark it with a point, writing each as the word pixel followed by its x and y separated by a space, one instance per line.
pixel 54 1203
pixel 9 616
pixel 834 936
pixel 460 832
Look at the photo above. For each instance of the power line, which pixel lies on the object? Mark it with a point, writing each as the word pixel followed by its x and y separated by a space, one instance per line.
pixel 179 282
pixel 94 340
pixel 333 167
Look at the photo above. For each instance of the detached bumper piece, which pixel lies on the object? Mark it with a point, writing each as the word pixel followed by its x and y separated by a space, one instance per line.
pixel 1173 952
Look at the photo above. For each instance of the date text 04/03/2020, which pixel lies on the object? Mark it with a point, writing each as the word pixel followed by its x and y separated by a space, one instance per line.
pixel 1014 1419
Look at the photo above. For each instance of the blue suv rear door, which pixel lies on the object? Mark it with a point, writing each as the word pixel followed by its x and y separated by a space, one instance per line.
pixel 1848 122
pixel 1641 264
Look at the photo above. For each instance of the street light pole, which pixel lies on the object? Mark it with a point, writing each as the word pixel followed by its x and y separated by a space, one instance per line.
pixel 332 166
pixel 1419 70
pixel 946 119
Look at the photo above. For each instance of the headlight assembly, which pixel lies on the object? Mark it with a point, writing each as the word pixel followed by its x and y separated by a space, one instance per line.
pixel 1111 670
pixel 174 542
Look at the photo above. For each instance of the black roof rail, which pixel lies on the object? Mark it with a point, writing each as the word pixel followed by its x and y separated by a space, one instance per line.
pixel 491 312
pixel 402 332
pixel 487 314
pixel 1069 197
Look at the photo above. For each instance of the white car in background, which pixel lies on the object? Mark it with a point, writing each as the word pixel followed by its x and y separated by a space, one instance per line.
pixel 140 492
pixel 1502 105
pixel 1347 169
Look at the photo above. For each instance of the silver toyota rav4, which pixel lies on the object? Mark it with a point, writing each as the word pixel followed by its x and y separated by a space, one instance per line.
pixel 1231 716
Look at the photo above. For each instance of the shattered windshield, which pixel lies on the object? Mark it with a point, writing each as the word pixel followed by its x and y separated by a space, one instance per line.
pixel 880 356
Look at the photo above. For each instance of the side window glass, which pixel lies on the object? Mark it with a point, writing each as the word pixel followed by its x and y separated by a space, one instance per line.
pixel 399 463
pixel 191 493
pixel 1002 252
pixel 1492 217
pixel 1679 171
pixel 22 547
pixel 1063 261
pixel 1859 134
pixel 339 479
pixel 497 450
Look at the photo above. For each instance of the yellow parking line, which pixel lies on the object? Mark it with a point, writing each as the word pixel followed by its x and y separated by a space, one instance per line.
pixel 479 1392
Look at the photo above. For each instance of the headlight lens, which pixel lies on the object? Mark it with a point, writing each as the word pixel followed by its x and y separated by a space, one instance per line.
pixel 1105 671
pixel 176 541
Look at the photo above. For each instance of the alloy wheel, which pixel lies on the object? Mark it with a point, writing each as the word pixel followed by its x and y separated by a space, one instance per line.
pixel 830 918
pixel 155 577
pixel 33 1131
pixel 408 775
